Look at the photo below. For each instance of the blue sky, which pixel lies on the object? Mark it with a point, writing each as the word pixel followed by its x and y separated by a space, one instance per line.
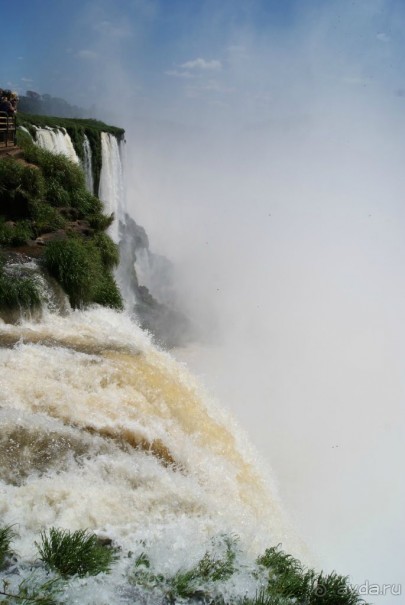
pixel 180 59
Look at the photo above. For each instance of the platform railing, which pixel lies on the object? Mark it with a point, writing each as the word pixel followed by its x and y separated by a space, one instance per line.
pixel 7 130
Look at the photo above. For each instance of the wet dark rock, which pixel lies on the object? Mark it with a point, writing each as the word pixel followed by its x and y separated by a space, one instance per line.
pixel 155 306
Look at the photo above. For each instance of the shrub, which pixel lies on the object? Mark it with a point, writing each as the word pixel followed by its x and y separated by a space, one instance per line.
pixel 108 250
pixel 100 221
pixel 15 235
pixel 78 266
pixel 25 138
pixel 74 553
pixel 289 578
pixel 45 218
pixel 57 167
pixel 56 193
pixel 6 537
pixel 19 184
pixel 86 202
pixel 107 293
pixel 72 265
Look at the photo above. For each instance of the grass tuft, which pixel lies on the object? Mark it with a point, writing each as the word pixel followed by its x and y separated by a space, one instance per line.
pixel 15 234
pixel 74 553
pixel 288 578
pixel 6 537
pixel 79 267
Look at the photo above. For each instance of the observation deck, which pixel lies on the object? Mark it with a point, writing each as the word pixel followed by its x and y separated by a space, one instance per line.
pixel 8 131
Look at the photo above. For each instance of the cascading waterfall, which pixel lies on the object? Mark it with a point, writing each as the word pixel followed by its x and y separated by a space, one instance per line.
pixel 88 165
pixel 111 189
pixel 99 429
pixel 56 140
pixel 117 437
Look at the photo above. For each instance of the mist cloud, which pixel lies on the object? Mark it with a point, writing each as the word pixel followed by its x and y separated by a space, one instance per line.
pixel 265 158
pixel 279 192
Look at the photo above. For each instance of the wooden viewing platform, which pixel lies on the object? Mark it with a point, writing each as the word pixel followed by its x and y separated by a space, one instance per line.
pixel 7 132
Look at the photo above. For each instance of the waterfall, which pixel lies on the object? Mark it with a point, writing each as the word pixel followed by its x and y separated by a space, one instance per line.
pixel 57 140
pixel 88 165
pixel 102 430
pixel 117 437
pixel 111 189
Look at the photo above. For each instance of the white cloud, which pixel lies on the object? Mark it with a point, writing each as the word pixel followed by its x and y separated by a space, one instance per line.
pixel 27 80
pixel 179 74
pixel 202 64
pixel 106 28
pixel 87 54
pixel 383 37
pixel 212 86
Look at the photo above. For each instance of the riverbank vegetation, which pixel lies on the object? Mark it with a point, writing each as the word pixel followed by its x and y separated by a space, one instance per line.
pixel 63 557
pixel 46 212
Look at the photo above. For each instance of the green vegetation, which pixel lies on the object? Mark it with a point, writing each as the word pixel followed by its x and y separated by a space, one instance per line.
pixel 76 128
pixel 43 193
pixel 6 536
pixel 81 267
pixel 288 578
pixel 200 581
pixel 280 579
pixel 74 553
pixel 15 234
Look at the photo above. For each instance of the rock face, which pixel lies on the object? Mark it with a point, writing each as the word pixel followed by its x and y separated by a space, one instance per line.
pixel 149 285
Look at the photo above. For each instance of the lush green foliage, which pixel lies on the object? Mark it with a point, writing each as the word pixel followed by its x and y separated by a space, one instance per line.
pixel 80 267
pixel 45 218
pixel 27 191
pixel 108 250
pixel 15 234
pixel 44 194
pixel 74 553
pixel 56 168
pixel 280 579
pixel 19 185
pixel 287 577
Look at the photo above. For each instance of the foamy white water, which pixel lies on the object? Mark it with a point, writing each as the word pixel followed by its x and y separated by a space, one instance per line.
pixel 111 189
pixel 101 430
pixel 87 165
pixel 57 140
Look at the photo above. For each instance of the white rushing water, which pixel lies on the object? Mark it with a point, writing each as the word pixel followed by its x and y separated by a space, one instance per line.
pixel 111 188
pixel 57 140
pixel 101 430
pixel 87 165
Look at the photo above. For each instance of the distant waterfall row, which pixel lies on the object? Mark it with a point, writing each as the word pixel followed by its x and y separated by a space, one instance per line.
pixel 111 186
